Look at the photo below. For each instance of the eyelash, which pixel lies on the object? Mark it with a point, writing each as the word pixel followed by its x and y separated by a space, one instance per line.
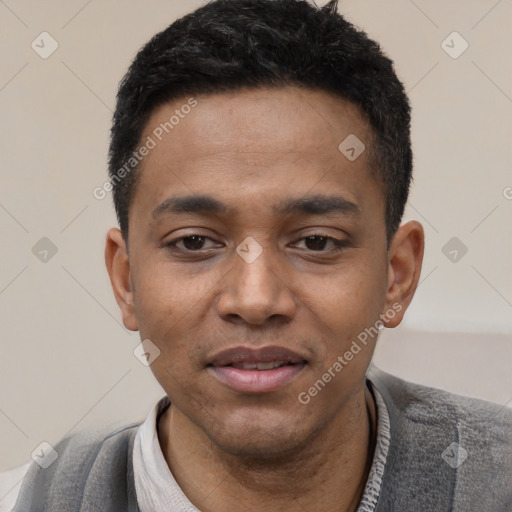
pixel 338 244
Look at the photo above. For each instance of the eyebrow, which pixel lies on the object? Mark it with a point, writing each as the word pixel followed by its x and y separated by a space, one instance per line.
pixel 308 205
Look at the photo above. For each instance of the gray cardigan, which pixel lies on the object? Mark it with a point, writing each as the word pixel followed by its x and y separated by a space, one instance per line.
pixel 425 470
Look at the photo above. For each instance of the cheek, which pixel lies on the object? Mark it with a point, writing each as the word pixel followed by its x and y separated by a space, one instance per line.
pixel 163 298
pixel 352 298
pixel 171 308
pixel 155 303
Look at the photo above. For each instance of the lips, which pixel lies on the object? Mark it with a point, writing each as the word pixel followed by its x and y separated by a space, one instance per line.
pixel 239 355
pixel 263 370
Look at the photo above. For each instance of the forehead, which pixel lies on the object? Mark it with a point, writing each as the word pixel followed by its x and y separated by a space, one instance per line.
pixel 255 144
pixel 265 120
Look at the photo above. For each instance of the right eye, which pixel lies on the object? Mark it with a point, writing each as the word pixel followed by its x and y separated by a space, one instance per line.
pixel 190 243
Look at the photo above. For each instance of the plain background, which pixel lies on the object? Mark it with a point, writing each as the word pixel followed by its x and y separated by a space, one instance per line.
pixel 67 362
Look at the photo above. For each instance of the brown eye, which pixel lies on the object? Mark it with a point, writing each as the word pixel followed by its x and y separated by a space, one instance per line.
pixel 194 242
pixel 319 243
pixel 190 243
pixel 316 243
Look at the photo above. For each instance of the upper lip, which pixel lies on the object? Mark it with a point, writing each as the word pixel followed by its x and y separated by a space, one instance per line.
pixel 250 355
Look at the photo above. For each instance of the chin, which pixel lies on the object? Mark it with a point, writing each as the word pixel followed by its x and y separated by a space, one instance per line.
pixel 261 438
pixel 259 447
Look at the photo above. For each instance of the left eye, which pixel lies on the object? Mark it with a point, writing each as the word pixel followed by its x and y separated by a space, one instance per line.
pixel 317 243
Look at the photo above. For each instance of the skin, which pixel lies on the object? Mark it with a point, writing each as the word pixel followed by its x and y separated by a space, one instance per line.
pixel 251 150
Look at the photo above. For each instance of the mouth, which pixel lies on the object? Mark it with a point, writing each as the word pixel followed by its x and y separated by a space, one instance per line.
pixel 247 370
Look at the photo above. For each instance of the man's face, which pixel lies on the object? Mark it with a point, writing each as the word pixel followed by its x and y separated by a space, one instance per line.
pixel 268 284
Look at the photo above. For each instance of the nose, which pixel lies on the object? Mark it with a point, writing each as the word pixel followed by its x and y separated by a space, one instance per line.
pixel 254 292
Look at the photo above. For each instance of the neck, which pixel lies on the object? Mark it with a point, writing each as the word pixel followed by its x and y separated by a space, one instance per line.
pixel 329 473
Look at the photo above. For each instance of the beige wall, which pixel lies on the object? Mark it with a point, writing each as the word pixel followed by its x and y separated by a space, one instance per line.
pixel 67 360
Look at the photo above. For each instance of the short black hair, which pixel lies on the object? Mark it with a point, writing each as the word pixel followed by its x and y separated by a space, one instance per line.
pixel 228 45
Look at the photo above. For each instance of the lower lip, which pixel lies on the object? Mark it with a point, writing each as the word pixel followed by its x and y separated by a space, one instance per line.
pixel 256 381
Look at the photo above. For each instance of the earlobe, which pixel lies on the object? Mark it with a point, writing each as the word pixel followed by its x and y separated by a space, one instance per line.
pixel 118 267
pixel 404 268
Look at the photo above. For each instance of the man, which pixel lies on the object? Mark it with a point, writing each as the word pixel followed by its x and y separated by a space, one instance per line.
pixel 260 162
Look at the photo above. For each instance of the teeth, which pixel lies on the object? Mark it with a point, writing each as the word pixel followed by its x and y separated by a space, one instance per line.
pixel 266 366
pixel 262 366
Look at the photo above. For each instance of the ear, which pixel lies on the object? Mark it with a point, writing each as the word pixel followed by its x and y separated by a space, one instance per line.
pixel 405 257
pixel 118 266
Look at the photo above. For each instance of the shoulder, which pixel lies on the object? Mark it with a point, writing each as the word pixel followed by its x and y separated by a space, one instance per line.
pixel 10 483
pixel 435 407
pixel 452 450
pixel 91 442
pixel 81 469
